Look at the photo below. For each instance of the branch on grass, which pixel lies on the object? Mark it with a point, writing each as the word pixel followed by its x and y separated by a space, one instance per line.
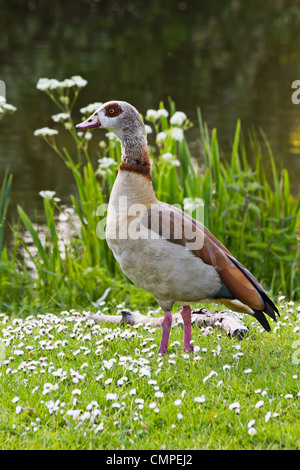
pixel 226 321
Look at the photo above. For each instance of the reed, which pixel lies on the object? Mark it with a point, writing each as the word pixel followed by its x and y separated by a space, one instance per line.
pixel 4 201
pixel 256 218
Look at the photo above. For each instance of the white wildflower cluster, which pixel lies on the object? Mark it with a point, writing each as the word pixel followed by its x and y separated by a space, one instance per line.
pixel 90 108
pixel 6 107
pixel 170 159
pixel 153 115
pixel 148 129
pixel 178 118
pixel 60 117
pixel 161 137
pixel 178 123
pixel 44 84
pixel 60 94
pixel 177 133
pixel 45 132
pixel 47 194
pixel 105 166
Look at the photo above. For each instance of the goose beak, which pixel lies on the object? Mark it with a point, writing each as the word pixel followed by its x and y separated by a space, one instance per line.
pixel 92 121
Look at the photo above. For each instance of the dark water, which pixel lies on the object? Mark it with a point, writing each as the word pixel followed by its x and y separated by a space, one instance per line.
pixel 234 59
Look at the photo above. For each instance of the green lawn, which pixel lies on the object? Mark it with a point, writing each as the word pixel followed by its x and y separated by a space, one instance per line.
pixel 79 385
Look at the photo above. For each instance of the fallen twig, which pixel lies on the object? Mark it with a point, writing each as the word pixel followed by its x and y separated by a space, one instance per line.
pixel 226 321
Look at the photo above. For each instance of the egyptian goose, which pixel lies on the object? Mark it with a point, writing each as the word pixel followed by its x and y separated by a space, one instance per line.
pixel 162 249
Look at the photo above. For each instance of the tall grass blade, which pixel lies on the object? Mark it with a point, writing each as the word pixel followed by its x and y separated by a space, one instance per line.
pixel 4 201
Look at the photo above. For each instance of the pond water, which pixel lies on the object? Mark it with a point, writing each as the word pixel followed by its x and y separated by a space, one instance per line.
pixel 233 59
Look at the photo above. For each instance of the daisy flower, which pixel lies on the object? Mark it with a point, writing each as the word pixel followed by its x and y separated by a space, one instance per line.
pixel 111 396
pixel 259 404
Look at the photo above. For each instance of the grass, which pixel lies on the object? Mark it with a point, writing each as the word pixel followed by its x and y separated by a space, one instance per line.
pixel 80 385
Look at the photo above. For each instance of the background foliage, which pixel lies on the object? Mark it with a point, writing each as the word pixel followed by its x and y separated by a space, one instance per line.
pixel 255 218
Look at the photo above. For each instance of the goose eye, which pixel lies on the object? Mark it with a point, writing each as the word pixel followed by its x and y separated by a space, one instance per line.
pixel 113 109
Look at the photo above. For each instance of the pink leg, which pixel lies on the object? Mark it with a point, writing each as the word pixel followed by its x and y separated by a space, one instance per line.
pixel 166 327
pixel 187 328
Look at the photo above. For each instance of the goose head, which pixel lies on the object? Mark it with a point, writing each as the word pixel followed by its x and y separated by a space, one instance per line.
pixel 119 117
